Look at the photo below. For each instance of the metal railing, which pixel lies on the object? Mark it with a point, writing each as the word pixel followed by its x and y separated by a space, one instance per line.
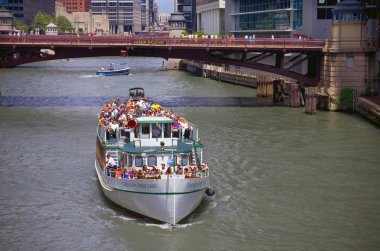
pixel 149 41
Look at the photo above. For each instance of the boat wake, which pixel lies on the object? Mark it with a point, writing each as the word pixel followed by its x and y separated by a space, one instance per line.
pixel 124 218
pixel 170 227
pixel 89 76
pixel 226 198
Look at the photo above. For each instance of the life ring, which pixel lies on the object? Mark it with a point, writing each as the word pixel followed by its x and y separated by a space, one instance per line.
pixel 131 124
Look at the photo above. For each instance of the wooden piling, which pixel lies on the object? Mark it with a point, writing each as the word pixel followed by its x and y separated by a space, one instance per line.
pixel 264 87
pixel 294 95
pixel 310 100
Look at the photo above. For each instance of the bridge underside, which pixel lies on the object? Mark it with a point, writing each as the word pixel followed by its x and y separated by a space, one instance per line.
pixel 303 66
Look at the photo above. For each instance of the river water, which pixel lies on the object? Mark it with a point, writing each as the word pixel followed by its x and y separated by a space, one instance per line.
pixel 284 180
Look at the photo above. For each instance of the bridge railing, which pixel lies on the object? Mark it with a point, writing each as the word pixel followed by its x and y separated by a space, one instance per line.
pixel 160 41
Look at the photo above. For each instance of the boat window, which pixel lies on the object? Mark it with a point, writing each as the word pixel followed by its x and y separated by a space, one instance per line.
pixel 138 161
pixel 137 131
pixel 152 160
pixel 145 131
pixel 124 133
pixel 167 130
pixel 175 160
pixel 156 130
pixel 129 161
pixel 185 160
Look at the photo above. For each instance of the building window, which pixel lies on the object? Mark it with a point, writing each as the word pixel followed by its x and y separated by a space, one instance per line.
pixel 350 61
pixel 297 14
pixel 264 21
pixel 324 13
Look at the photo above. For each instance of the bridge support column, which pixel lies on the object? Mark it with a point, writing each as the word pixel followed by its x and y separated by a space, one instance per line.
pixel 278 90
pixel 295 96
pixel 264 87
pixel 311 100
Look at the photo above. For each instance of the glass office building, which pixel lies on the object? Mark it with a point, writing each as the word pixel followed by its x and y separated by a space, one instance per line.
pixel 266 17
pixel 188 8
pixel 285 18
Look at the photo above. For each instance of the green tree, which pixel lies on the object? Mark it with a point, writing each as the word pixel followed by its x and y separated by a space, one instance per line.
pixel 20 26
pixel 41 20
pixel 63 24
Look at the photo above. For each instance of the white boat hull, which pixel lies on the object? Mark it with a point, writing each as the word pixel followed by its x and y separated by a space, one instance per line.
pixel 168 200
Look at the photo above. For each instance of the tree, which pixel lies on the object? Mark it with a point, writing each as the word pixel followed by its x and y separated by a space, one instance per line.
pixel 20 26
pixel 63 24
pixel 41 20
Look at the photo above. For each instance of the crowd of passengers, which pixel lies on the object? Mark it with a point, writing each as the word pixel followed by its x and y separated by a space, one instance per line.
pixel 145 172
pixel 116 113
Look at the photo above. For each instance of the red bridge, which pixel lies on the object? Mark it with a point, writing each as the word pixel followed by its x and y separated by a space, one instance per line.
pixel 279 56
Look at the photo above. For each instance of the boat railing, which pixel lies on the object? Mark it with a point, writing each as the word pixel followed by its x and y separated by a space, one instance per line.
pixel 136 176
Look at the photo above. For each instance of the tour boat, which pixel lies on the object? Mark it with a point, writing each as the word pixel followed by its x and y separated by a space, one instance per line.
pixel 157 167
pixel 114 69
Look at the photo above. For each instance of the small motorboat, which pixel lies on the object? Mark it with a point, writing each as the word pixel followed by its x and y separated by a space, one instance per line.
pixel 114 69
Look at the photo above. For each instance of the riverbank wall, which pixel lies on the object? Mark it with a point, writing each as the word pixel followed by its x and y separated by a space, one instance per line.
pixel 369 109
pixel 296 95
pixel 219 73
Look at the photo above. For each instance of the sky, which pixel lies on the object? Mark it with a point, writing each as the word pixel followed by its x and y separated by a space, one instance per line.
pixel 166 6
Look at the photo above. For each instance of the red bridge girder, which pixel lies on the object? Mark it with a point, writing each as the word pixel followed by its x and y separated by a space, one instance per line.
pixel 16 50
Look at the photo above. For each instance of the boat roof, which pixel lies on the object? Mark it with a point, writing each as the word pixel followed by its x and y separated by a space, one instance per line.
pixel 139 109
pixel 152 120
pixel 180 148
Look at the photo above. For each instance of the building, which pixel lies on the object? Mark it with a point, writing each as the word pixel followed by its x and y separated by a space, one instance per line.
pixel 15 7
pixel 84 22
pixel 350 63
pixel 124 15
pixel 177 24
pixel 51 30
pixel 188 8
pixel 6 21
pixel 25 10
pixel 286 18
pixel 210 16
pixel 75 5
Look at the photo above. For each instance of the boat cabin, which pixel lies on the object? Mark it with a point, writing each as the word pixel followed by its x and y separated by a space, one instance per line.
pixel 136 93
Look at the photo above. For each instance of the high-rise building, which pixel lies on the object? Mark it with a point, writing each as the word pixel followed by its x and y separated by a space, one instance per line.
pixel 285 18
pixel 25 10
pixel 188 8
pixel 124 15
pixel 75 5
pixel 15 7
pixel 210 16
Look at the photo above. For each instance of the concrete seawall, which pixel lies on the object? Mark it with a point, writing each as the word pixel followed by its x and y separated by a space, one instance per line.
pixel 368 109
pixel 219 73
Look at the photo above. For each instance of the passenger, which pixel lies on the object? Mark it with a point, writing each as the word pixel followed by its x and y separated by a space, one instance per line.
pixel 118 172
pixel 169 171
pixel 125 173
pixel 110 162
pixel 140 174
pixel 156 132
pixel 113 127
pixel 186 172
pixel 179 169
pixel 145 170
pixel 163 168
